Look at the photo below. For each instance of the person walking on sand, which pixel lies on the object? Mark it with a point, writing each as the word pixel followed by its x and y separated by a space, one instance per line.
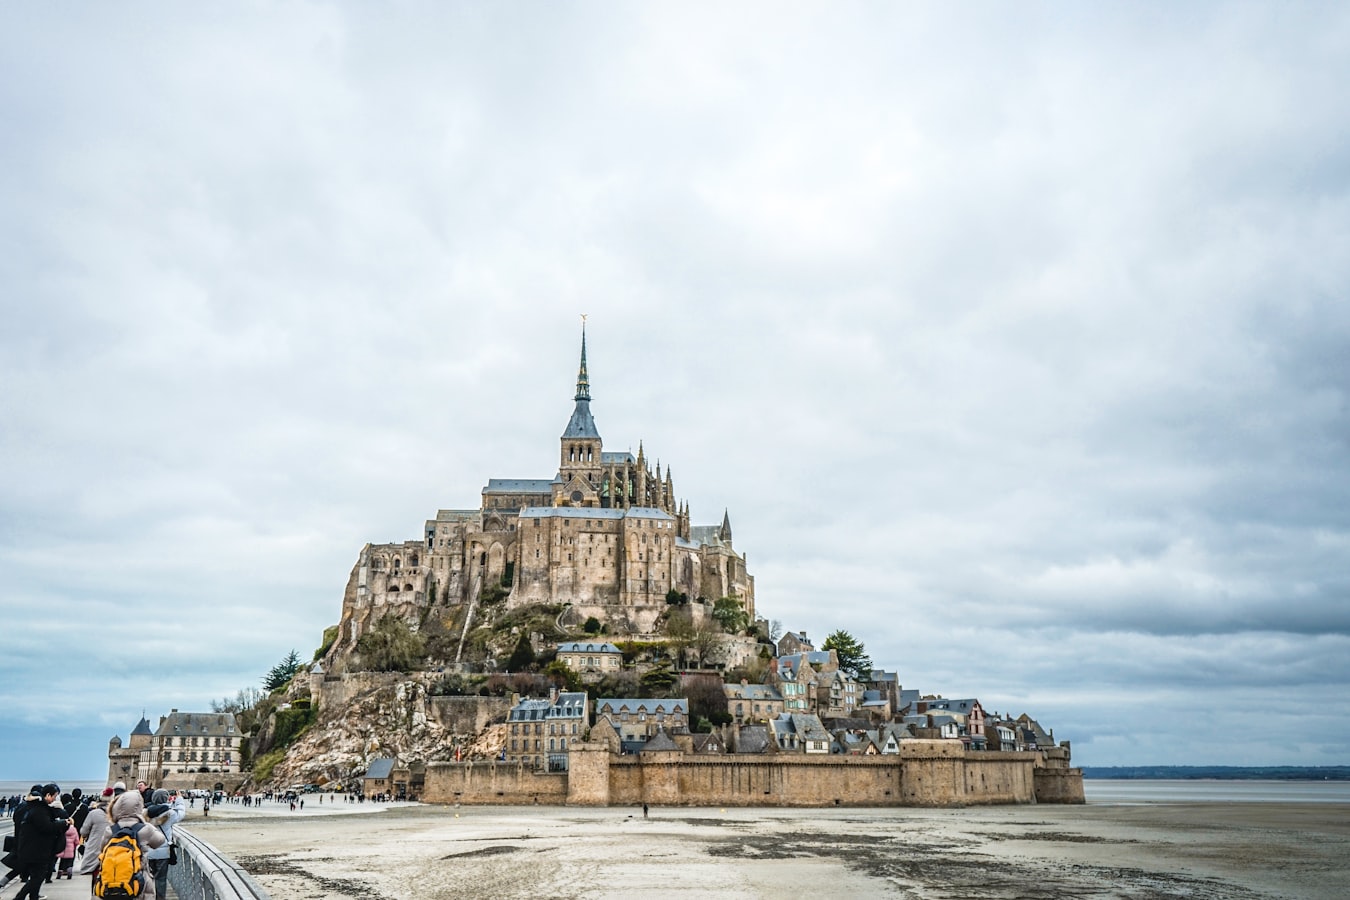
pixel 644 810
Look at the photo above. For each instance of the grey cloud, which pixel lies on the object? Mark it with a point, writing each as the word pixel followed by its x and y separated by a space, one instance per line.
pixel 1008 337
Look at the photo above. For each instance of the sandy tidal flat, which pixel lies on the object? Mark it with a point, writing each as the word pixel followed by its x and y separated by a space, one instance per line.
pixel 1194 850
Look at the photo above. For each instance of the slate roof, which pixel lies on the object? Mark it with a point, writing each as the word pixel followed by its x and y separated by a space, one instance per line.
pixel 961 706
pixel 609 456
pixel 582 423
pixel 753 739
pixel 814 657
pixel 763 692
pixel 659 742
pixel 208 724
pixel 519 486
pixel 380 768
pixel 569 705
pixel 709 535
pixel 142 727
pixel 708 743
pixel 647 705
pixel 585 647
pixel 809 728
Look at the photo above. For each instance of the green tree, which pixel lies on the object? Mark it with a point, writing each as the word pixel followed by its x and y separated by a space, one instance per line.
pixel 853 658
pixel 281 674
pixel 522 658
pixel 658 681
pixel 592 626
pixel 707 698
pixel 390 646
pixel 730 615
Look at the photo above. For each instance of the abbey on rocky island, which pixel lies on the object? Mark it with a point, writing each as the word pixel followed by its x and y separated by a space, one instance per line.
pixel 606 534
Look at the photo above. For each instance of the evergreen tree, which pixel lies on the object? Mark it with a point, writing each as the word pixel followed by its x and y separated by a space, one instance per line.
pixel 281 674
pixel 522 658
pixel 657 682
pixel 853 659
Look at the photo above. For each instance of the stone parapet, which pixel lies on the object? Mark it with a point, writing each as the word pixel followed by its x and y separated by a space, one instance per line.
pixel 932 776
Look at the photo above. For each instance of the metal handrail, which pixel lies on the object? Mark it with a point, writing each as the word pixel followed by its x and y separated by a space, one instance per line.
pixel 204 873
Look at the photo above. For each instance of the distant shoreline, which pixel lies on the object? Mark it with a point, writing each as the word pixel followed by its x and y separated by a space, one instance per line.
pixel 1217 773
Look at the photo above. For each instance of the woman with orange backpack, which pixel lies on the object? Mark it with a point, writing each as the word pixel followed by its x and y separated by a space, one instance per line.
pixel 123 869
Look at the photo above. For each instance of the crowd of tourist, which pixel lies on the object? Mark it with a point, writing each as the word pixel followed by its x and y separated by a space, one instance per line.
pixel 61 835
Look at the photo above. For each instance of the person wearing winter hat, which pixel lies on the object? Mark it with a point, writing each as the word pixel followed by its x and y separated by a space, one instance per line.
pixel 128 810
pixel 166 812
pixel 95 832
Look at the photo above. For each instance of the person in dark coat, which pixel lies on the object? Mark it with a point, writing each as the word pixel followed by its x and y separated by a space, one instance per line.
pixel 42 828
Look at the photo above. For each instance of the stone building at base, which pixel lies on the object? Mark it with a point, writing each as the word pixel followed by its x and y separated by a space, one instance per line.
pixel 187 750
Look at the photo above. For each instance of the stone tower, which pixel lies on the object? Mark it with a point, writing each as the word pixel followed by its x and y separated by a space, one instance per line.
pixel 580 470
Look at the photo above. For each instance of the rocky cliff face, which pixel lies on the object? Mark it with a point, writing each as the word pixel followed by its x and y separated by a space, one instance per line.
pixel 399 720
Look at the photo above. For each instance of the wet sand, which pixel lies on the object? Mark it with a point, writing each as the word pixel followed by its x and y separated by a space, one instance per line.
pixel 1153 850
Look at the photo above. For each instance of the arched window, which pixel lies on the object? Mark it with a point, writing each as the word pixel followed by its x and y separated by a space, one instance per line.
pixel 393 589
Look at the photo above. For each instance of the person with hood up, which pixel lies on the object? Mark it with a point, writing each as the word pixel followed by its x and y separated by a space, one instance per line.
pixel 95 831
pixel 43 826
pixel 128 810
pixel 168 810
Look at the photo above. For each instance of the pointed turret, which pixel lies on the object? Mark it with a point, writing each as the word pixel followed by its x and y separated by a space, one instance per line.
pixel 582 425
pixel 725 532
pixel 581 468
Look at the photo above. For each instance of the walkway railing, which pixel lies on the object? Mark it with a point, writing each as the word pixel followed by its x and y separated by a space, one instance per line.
pixel 204 873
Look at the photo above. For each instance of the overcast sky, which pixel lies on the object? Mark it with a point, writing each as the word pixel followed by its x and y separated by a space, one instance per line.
pixel 1015 338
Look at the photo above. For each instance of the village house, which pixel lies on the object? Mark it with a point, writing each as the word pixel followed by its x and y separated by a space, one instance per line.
pixel 539 731
pixel 800 733
pixel 793 643
pixel 748 703
pixel 836 694
pixel 974 733
pixel 591 660
pixel 795 682
pixel 639 719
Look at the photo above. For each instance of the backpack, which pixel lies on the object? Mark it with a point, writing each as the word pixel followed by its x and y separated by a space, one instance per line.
pixel 119 865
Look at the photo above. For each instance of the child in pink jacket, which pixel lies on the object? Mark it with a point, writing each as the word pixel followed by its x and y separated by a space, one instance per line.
pixel 67 857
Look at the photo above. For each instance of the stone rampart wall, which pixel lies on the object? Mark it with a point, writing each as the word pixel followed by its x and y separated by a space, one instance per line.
pixel 481 783
pixel 1059 786
pixel 936 773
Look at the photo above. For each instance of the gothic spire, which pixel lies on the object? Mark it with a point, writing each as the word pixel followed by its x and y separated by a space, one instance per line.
pixel 582 424
pixel 725 533
pixel 583 382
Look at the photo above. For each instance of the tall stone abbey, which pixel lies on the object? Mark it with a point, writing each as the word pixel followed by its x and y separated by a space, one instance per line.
pixel 606 534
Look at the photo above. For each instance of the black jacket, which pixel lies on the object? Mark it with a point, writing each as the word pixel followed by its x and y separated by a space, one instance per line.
pixel 39 830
